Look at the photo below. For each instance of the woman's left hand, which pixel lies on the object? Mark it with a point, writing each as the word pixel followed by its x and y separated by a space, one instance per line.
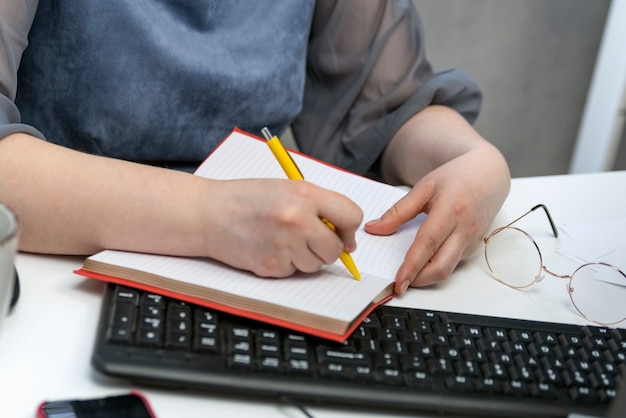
pixel 461 195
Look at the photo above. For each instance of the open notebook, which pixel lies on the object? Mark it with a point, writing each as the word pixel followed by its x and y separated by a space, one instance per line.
pixel 329 303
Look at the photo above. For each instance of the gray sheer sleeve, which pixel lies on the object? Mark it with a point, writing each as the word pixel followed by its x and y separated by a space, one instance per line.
pixel 367 74
pixel 16 18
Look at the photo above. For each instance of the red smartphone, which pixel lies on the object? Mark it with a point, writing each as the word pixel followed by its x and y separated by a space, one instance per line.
pixel 131 405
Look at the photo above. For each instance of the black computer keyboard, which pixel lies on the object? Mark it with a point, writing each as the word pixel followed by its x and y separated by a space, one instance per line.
pixel 409 360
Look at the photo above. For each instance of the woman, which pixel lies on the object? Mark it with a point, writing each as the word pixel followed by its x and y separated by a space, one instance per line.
pixel 109 97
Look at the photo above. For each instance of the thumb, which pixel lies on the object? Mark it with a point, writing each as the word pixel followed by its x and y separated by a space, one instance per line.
pixel 405 209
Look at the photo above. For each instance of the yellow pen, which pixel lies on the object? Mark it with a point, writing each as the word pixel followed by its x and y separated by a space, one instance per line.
pixel 293 173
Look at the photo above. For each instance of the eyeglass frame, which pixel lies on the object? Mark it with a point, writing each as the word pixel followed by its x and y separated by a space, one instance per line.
pixel 542 267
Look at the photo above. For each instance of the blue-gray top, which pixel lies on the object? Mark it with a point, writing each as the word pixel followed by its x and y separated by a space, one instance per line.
pixel 164 81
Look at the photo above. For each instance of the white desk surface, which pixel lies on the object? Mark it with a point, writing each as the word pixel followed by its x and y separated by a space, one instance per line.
pixel 46 343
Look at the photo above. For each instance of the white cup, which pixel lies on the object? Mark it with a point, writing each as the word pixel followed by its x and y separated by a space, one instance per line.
pixel 8 249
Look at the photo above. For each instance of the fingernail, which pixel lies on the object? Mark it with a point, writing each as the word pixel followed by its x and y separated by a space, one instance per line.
pixel 404 286
pixel 373 222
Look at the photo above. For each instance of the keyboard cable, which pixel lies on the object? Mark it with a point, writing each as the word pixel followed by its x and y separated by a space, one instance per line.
pixel 287 400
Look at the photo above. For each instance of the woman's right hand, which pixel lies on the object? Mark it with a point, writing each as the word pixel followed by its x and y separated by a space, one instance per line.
pixel 274 227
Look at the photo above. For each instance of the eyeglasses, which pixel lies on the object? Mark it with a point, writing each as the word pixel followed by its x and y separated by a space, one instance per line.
pixel 597 290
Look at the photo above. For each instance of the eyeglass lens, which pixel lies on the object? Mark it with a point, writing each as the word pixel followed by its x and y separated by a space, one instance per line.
pixel 513 257
pixel 598 291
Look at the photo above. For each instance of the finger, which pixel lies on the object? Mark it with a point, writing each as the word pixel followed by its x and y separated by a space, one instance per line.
pixel 343 217
pixel 286 262
pixel 318 245
pixel 442 263
pixel 300 251
pixel 325 243
pixel 307 261
pixel 429 239
pixel 405 209
pixel 278 265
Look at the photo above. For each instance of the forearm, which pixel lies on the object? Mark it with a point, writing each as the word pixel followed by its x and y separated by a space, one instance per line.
pixel 74 203
pixel 431 138
pixel 69 202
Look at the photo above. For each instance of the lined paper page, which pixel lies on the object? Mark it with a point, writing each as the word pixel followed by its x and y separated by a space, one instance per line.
pixel 242 156
pixel 329 293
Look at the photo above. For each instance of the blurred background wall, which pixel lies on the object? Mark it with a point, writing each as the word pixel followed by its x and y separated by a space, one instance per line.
pixel 534 60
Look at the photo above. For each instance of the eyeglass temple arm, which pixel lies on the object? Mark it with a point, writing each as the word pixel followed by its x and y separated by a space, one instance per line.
pixel 546 211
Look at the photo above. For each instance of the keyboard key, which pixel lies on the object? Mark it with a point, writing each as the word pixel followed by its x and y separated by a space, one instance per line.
pixel 461 383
